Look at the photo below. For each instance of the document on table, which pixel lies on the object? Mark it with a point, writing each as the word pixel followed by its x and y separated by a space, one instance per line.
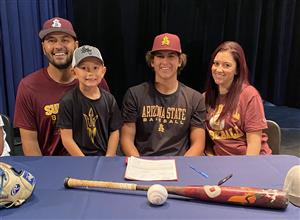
pixel 150 170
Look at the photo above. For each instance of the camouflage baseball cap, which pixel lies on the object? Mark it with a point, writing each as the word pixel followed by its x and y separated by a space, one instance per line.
pixel 85 51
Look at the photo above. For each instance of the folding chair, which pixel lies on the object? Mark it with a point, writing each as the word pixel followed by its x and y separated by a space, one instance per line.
pixel 274 136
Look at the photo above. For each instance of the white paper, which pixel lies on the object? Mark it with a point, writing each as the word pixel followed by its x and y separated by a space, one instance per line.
pixel 150 170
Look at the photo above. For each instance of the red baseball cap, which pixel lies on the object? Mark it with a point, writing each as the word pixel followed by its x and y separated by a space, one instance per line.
pixel 166 41
pixel 57 24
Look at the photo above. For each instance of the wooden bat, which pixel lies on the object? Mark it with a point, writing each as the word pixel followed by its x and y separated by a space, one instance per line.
pixel 246 196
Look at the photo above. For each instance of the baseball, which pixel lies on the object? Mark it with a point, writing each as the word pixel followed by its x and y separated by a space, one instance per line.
pixel 157 194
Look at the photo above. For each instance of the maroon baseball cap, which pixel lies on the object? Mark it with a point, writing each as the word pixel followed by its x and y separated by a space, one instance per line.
pixel 166 41
pixel 57 25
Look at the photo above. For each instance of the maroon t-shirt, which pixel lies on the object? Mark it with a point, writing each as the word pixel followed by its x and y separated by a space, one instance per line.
pixel 36 109
pixel 229 134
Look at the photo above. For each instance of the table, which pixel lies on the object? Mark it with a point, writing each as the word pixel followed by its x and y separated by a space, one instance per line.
pixel 51 200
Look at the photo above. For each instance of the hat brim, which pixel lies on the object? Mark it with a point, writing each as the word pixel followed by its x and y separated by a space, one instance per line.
pixel 74 64
pixel 165 48
pixel 43 33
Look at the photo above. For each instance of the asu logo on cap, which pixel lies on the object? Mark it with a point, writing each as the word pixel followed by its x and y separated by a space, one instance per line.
pixel 166 41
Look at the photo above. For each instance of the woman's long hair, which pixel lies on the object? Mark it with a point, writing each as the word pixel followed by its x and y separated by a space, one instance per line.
pixel 241 77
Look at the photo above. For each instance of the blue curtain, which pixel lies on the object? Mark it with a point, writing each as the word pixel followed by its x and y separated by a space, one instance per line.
pixel 20 46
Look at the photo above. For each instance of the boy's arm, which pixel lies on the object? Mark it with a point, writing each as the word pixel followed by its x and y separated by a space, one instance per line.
pixel 127 140
pixel 197 138
pixel 69 143
pixel 112 145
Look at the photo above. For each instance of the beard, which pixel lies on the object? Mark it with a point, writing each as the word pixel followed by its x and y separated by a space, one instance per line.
pixel 61 65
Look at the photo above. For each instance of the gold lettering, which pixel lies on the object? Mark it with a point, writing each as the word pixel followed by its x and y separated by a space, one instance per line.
pixel 148 111
pixel 51 109
pixel 211 134
pixel 168 113
pixel 144 112
pixel 183 114
pixel 163 112
pixel 226 134
pixel 154 111
pixel 223 135
pixel 164 115
pixel 47 109
pixel 158 111
pixel 53 117
pixel 175 113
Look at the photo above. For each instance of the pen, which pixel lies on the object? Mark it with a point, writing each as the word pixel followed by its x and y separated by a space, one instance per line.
pixel 224 179
pixel 198 171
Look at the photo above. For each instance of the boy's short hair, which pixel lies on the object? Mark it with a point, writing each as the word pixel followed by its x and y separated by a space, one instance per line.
pixel 85 51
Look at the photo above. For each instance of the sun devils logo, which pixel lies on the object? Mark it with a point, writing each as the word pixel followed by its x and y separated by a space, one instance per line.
pixel 56 23
pixel 165 41
pixel 90 121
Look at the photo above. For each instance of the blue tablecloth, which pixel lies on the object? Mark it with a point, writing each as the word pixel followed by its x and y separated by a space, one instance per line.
pixel 51 200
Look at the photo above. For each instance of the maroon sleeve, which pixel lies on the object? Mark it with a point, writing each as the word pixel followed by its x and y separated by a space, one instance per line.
pixel 24 116
pixel 254 111
pixel 103 84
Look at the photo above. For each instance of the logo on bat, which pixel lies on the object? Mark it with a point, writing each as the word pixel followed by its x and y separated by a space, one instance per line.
pixel 212 191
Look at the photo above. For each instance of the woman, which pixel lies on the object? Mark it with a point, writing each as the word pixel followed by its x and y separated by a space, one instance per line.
pixel 235 114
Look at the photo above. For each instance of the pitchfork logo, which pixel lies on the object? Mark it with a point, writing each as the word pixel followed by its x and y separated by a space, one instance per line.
pixel 15 189
pixel 165 41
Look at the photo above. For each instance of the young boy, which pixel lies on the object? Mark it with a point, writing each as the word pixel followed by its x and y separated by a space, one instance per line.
pixel 89 117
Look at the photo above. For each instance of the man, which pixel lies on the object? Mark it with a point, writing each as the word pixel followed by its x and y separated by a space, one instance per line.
pixel 163 117
pixel 38 96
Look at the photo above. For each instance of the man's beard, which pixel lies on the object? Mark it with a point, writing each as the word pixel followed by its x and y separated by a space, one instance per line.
pixel 60 65
pixel 63 65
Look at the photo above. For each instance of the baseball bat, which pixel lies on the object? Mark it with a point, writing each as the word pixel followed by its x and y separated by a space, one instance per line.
pixel 245 196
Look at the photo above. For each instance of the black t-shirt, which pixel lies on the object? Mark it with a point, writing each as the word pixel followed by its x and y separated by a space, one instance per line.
pixel 163 122
pixel 90 120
